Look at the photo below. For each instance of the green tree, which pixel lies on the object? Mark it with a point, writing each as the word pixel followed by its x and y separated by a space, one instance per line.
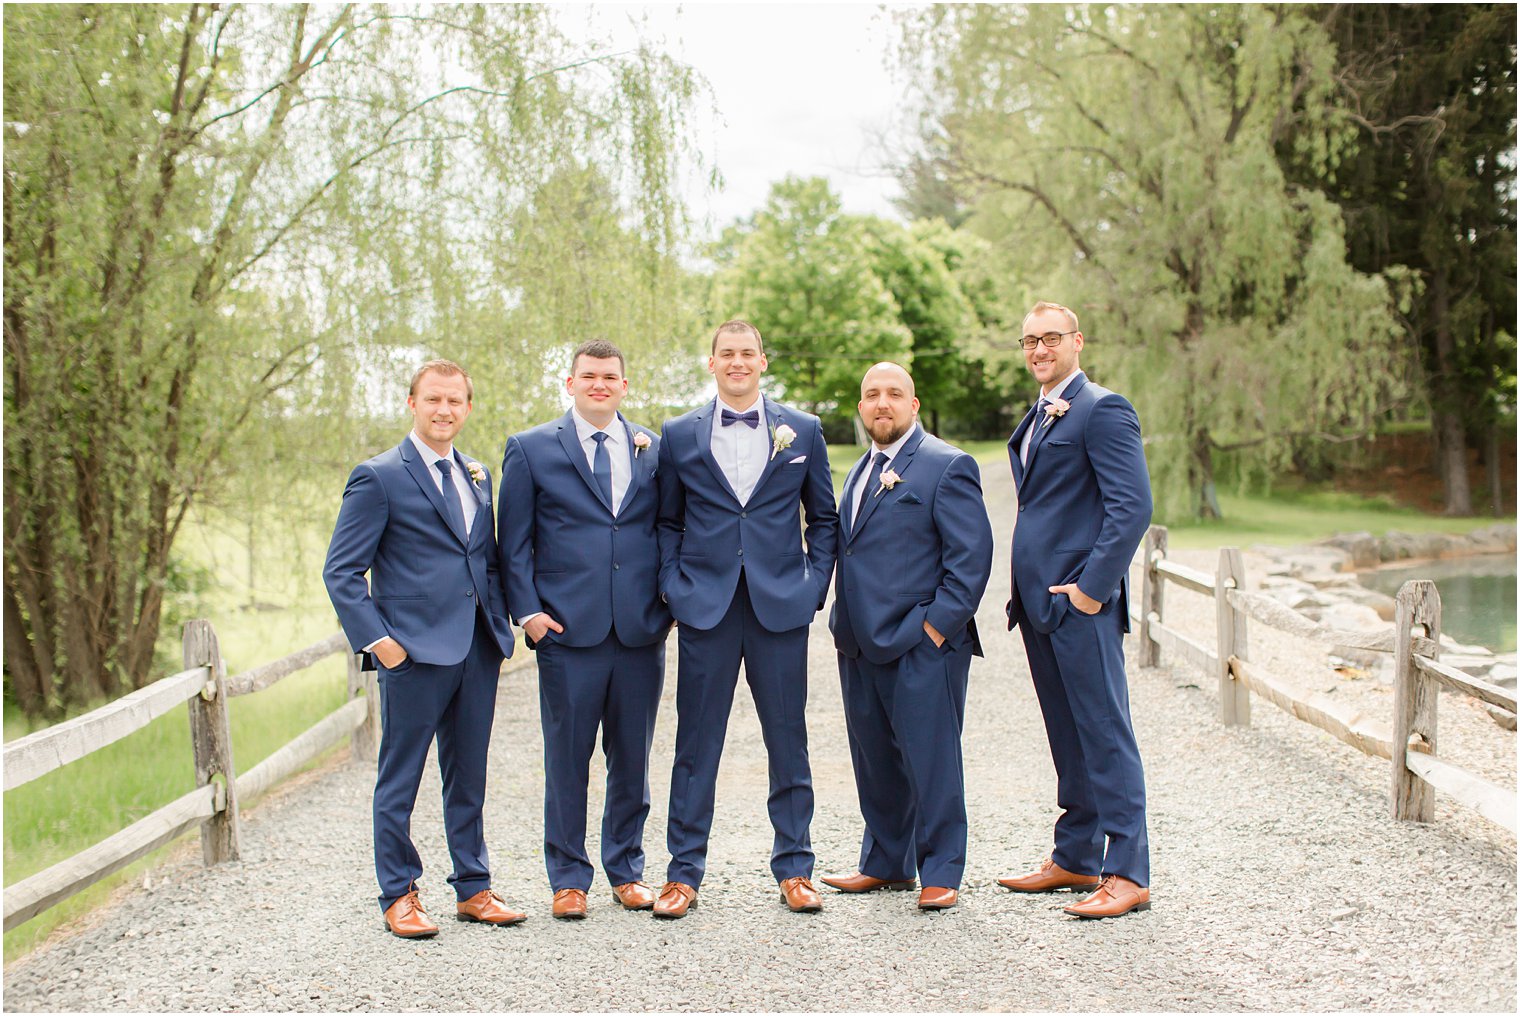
pixel 1430 187
pixel 803 272
pixel 218 217
pixel 1121 159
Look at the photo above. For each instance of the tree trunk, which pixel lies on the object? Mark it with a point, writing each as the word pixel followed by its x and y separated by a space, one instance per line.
pixel 28 684
pixel 1451 461
pixel 1203 461
pixel 1491 466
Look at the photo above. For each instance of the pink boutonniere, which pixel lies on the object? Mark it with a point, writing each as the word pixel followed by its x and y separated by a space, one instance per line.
pixel 1054 410
pixel 640 442
pixel 477 472
pixel 889 479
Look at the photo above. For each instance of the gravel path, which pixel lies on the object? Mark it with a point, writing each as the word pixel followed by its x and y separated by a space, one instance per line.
pixel 1280 883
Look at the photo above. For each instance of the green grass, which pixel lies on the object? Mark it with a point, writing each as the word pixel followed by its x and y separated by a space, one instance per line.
pixel 72 808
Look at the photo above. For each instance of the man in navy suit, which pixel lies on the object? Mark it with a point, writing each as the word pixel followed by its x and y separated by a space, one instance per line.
pixel 1084 503
pixel 418 519
pixel 733 475
pixel 582 562
pixel 915 555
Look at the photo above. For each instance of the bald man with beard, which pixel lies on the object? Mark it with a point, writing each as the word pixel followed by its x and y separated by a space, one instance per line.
pixel 915 554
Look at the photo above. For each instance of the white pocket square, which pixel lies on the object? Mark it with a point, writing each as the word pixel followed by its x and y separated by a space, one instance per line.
pixel 800 458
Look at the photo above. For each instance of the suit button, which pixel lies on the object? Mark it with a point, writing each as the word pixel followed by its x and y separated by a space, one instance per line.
pixel 469 592
pixel 744 515
pixel 614 529
pixel 1021 507
pixel 741 551
pixel 615 566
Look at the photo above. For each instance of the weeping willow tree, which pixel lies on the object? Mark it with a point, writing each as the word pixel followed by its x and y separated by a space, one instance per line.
pixel 1120 159
pixel 229 234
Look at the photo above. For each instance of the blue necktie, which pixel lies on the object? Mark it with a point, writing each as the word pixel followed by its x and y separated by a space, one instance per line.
pixel 601 466
pixel 750 419
pixel 451 496
pixel 873 480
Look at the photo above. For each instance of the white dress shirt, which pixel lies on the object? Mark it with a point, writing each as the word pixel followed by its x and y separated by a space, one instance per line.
pixel 617 451
pixel 892 449
pixel 468 502
pixel 741 451
pixel 1052 395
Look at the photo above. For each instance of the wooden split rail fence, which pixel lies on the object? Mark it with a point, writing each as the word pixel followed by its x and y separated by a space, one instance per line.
pixel 213 804
pixel 1408 741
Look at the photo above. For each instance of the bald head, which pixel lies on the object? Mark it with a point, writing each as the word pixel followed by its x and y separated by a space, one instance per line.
pixel 888 406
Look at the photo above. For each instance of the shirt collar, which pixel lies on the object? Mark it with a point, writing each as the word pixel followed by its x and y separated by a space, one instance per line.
pixel 584 428
pixel 896 446
pixel 428 455
pixel 1055 393
pixel 759 404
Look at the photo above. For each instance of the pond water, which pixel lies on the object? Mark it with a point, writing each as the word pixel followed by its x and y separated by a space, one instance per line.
pixel 1477 596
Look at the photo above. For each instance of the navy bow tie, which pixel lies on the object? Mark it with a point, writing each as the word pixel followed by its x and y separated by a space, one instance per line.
pixel 750 419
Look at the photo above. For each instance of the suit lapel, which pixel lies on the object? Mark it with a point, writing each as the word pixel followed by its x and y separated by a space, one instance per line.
pixel 419 471
pixel 772 416
pixel 898 465
pixel 703 422
pixel 570 440
pixel 1015 441
pixel 846 506
pixel 1048 423
pixel 636 467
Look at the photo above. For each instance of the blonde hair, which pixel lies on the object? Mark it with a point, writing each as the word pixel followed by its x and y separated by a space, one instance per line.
pixel 1047 305
pixel 448 368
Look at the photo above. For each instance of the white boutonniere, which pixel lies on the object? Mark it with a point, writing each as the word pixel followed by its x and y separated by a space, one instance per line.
pixel 477 472
pixel 782 439
pixel 889 479
pixel 1054 410
pixel 640 442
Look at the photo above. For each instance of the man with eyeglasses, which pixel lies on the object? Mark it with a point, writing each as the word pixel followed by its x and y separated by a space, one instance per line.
pixel 1084 504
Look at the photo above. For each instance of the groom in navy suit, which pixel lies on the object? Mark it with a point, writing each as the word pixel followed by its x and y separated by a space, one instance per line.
pixel 418 519
pixel 915 556
pixel 581 560
pixel 1084 503
pixel 733 475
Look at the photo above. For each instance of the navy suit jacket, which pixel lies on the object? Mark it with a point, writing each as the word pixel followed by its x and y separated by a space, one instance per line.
pixel 920 551
pixel 563 551
pixel 706 534
pixel 426 579
pixel 1084 505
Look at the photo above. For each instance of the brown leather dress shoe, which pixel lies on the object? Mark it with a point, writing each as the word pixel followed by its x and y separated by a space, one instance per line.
pixel 858 883
pixel 570 904
pixel 1047 878
pixel 1114 897
pixel 798 894
pixel 634 895
pixel 935 897
pixel 406 919
pixel 486 907
pixel 675 899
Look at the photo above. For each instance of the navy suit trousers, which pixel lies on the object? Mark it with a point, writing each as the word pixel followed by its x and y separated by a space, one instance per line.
pixel 1100 786
pixel 456 704
pixel 775 664
pixel 616 688
pixel 904 720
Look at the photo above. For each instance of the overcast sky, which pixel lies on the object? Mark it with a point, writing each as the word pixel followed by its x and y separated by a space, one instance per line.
pixel 798 88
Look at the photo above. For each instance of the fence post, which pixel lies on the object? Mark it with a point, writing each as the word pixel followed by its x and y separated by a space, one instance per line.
pixel 1150 596
pixel 1230 630
pixel 211 740
pixel 365 743
pixel 1414 698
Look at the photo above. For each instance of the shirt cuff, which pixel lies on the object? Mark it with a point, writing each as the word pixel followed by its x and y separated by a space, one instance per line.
pixel 524 620
pixel 371 647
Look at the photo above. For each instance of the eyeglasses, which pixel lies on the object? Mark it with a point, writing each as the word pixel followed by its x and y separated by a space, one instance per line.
pixel 1051 339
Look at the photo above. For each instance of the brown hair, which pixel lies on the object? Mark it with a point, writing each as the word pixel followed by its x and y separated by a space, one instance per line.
pixel 737 327
pixel 448 368
pixel 598 349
